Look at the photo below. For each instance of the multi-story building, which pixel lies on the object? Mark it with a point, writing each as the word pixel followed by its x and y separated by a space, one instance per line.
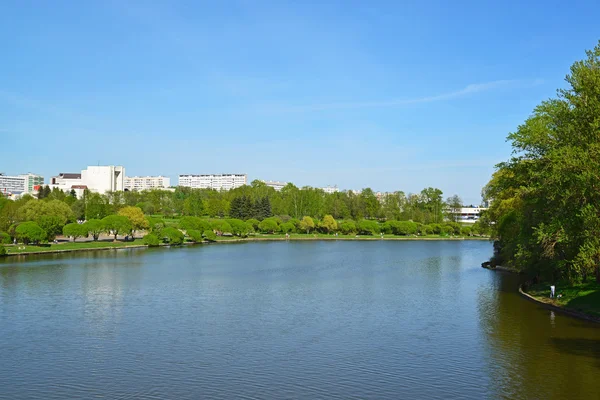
pixel 275 184
pixel 140 183
pixel 20 184
pixel 99 179
pixel 330 189
pixel 213 181
pixel 469 215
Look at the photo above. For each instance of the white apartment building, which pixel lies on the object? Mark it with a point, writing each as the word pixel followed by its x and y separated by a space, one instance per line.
pixel 469 215
pixel 213 181
pixel 20 184
pixel 139 183
pixel 275 184
pixel 99 179
pixel 330 189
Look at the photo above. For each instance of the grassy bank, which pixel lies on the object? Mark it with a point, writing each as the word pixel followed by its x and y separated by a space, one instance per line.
pixel 107 244
pixel 70 246
pixel 581 297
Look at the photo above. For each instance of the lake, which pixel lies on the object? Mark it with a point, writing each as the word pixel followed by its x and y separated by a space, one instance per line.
pixel 285 320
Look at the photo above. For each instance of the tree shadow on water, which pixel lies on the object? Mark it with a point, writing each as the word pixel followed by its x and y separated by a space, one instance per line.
pixel 579 347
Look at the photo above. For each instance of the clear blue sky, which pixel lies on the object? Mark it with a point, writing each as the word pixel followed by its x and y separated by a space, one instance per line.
pixel 386 94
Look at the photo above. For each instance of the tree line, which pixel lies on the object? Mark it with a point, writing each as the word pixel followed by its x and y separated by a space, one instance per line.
pixel 545 211
pixel 254 208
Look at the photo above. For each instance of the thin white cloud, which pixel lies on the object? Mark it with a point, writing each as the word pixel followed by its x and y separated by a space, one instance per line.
pixel 467 90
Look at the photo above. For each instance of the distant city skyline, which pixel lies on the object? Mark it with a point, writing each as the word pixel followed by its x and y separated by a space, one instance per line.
pixel 392 96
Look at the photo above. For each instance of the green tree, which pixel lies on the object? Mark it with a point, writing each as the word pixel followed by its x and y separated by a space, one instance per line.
pixel 209 235
pixel 287 227
pixel 96 205
pixel 367 227
pixel 30 232
pixel 51 224
pixel 151 240
pixel 116 224
pixel 75 230
pixel 307 224
pixel 172 236
pixel 268 225
pixel 194 235
pixel 453 204
pixel 136 217
pixel 94 227
pixel 348 227
pixel 329 224
pixel 5 238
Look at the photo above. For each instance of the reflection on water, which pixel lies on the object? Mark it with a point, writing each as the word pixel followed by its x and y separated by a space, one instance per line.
pixel 345 320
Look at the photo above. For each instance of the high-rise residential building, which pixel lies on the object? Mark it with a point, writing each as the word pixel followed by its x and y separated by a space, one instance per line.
pixel 275 184
pixel 213 181
pixel 330 189
pixel 139 183
pixel 20 184
pixel 98 179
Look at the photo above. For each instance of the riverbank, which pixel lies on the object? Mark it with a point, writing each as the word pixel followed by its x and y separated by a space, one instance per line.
pixel 579 300
pixel 22 250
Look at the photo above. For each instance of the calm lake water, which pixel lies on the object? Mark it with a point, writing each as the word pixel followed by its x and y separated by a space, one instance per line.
pixel 297 320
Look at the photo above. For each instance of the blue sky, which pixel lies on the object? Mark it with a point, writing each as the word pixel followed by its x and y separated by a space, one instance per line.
pixel 383 94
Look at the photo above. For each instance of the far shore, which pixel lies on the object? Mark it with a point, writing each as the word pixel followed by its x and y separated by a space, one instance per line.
pixel 107 244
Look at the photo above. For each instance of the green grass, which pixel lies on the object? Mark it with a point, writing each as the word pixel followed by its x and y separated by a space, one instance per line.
pixel 324 236
pixel 69 246
pixel 582 297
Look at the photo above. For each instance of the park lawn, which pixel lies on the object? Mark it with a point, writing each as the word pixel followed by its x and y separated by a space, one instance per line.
pixel 69 246
pixel 582 297
pixel 324 236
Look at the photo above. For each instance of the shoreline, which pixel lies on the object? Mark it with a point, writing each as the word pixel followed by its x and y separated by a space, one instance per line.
pixel 242 240
pixel 546 303
pixel 542 301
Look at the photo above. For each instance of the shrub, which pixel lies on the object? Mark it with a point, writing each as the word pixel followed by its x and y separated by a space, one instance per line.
pixel 466 231
pixel 348 227
pixel 254 223
pixel 151 240
pixel 2 251
pixel 221 226
pixel 5 238
pixel 287 227
pixel 367 227
pixel 328 224
pixel 75 230
pixel 209 235
pixel 307 224
pixel 268 225
pixel 30 232
pixel 195 236
pixel 238 227
pixel 172 236
pixel 195 223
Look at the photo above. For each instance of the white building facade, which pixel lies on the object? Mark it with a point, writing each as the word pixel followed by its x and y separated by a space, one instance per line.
pixel 139 183
pixel 469 215
pixel 213 181
pixel 20 184
pixel 98 179
pixel 331 189
pixel 275 184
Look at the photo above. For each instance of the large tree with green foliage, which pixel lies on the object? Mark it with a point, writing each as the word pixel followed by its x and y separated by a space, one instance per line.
pixel 116 224
pixel 545 213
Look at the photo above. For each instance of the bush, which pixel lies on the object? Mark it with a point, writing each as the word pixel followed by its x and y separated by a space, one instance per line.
pixel 172 236
pixel 195 223
pixel 238 227
pixel 209 235
pixel 366 227
pixel 5 238
pixel 75 230
pixel 195 236
pixel 348 227
pixel 453 228
pixel 254 223
pixel 268 225
pixel 466 231
pixel 2 251
pixel 151 240
pixel 30 232
pixel 221 226
pixel 287 227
